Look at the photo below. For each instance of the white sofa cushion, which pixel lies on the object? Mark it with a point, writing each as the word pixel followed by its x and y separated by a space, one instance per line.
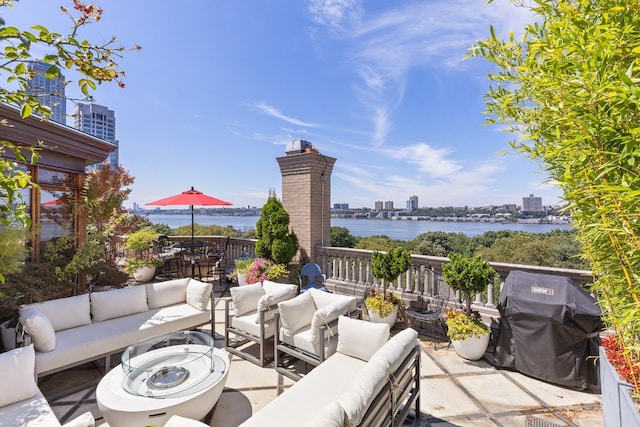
pixel 296 313
pixel 245 298
pixel 32 412
pixel 84 420
pixel 162 294
pixel 361 339
pixel 66 313
pixel 178 421
pixel 332 415
pixel 39 327
pixel 396 349
pixel 18 375
pixel 358 396
pixel 118 303
pixel 327 314
pixel 275 293
pixel 198 294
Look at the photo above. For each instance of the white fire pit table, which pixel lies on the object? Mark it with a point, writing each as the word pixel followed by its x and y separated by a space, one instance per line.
pixel 181 373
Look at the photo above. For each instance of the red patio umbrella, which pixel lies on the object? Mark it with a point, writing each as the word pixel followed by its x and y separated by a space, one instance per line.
pixel 190 197
pixel 53 202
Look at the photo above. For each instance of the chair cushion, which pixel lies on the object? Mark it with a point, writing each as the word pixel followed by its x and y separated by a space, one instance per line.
pixel 198 294
pixel 326 315
pixel 39 327
pixel 358 396
pixel 118 303
pixel 394 351
pixel 296 313
pixel 162 294
pixel 359 338
pixel 18 375
pixel 332 415
pixel 178 421
pixel 84 420
pixel 322 298
pixel 66 313
pixel 245 298
pixel 274 296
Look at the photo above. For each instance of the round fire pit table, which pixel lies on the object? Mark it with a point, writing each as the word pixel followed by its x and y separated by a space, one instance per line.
pixel 181 373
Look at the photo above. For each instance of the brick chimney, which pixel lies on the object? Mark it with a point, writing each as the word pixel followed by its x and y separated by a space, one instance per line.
pixel 306 196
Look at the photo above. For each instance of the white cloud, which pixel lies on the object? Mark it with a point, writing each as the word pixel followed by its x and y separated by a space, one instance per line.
pixel 274 112
pixel 336 14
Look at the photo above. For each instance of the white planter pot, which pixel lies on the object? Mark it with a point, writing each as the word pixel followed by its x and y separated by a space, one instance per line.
pixel 472 348
pixel 144 274
pixel 241 279
pixel 389 320
pixel 8 336
pixel 618 408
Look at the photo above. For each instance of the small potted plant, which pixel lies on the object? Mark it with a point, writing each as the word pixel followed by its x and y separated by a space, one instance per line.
pixel 387 266
pixel 469 275
pixel 264 269
pixel 142 262
pixel 242 267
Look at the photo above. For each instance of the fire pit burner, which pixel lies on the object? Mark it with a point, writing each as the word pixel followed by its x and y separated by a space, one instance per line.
pixel 168 376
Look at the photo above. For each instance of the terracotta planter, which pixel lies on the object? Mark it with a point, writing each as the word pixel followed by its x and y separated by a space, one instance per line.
pixel 389 320
pixel 472 348
pixel 144 274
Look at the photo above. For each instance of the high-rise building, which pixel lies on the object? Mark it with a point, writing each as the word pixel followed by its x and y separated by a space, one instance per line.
pixel 48 91
pixel 412 203
pixel 532 204
pixel 341 206
pixel 98 121
pixel 388 205
pixel 378 205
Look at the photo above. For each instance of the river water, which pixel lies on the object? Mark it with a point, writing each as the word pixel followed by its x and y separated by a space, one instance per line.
pixel 398 230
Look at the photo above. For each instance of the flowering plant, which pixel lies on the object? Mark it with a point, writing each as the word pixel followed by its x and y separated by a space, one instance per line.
pixel 382 304
pixel 625 365
pixel 462 325
pixel 264 269
pixel 144 260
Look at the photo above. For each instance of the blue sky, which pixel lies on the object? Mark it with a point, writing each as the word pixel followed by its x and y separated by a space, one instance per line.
pixel 220 87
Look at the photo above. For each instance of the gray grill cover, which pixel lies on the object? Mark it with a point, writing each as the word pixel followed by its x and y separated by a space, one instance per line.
pixel 549 329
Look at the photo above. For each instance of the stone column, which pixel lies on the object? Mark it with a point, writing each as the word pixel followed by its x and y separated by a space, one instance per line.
pixel 306 196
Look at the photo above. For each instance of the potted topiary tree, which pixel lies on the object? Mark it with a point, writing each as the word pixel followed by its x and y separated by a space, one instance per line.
pixel 387 266
pixel 275 241
pixel 469 275
pixel 142 262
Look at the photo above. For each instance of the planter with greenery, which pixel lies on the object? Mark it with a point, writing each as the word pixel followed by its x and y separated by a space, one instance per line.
pixel 467 331
pixel 242 267
pixel 387 266
pixel 142 262
pixel 263 269
pixel 275 241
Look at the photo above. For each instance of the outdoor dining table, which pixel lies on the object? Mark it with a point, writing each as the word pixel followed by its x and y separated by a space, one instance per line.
pixel 193 252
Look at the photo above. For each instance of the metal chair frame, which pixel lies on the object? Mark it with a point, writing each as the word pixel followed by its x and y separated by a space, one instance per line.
pixel 432 316
pixel 234 347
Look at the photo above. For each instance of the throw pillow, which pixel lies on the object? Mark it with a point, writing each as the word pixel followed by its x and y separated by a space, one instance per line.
pixel 118 303
pixel 245 298
pixel 162 294
pixel 18 375
pixel 327 314
pixel 39 327
pixel 84 420
pixel 332 415
pixel 65 313
pixel 198 294
pixel 296 313
pixel 361 339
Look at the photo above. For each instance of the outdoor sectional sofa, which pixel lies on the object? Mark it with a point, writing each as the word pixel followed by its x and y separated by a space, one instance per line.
pixel 71 331
pixel 370 381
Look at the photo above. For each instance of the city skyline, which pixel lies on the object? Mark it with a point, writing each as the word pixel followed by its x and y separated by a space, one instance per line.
pixel 382 87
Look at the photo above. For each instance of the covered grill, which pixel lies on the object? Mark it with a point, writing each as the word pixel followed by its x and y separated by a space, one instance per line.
pixel 549 329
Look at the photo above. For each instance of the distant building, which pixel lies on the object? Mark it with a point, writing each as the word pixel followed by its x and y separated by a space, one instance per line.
pixel 100 122
pixel 48 91
pixel 341 206
pixel 378 206
pixel 532 204
pixel 509 207
pixel 412 203
pixel 388 205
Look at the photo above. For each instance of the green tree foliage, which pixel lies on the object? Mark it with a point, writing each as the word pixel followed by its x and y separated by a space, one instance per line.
pixel 569 88
pixel 275 241
pixel 94 62
pixel 468 275
pixel 341 238
pixel 389 265
pixel 377 243
pixel 206 230
pixel 440 243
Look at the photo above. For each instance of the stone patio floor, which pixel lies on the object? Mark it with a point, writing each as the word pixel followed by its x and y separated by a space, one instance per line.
pixel 454 392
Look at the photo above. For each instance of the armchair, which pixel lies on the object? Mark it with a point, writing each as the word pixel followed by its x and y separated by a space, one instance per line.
pixel 307 327
pixel 252 319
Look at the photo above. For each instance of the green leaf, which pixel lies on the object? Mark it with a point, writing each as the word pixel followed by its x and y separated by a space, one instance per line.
pixel 25 111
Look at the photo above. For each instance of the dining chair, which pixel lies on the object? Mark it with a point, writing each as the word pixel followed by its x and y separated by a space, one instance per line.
pixel 217 261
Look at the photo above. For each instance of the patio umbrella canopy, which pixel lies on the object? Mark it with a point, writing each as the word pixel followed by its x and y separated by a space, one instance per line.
pixel 190 197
